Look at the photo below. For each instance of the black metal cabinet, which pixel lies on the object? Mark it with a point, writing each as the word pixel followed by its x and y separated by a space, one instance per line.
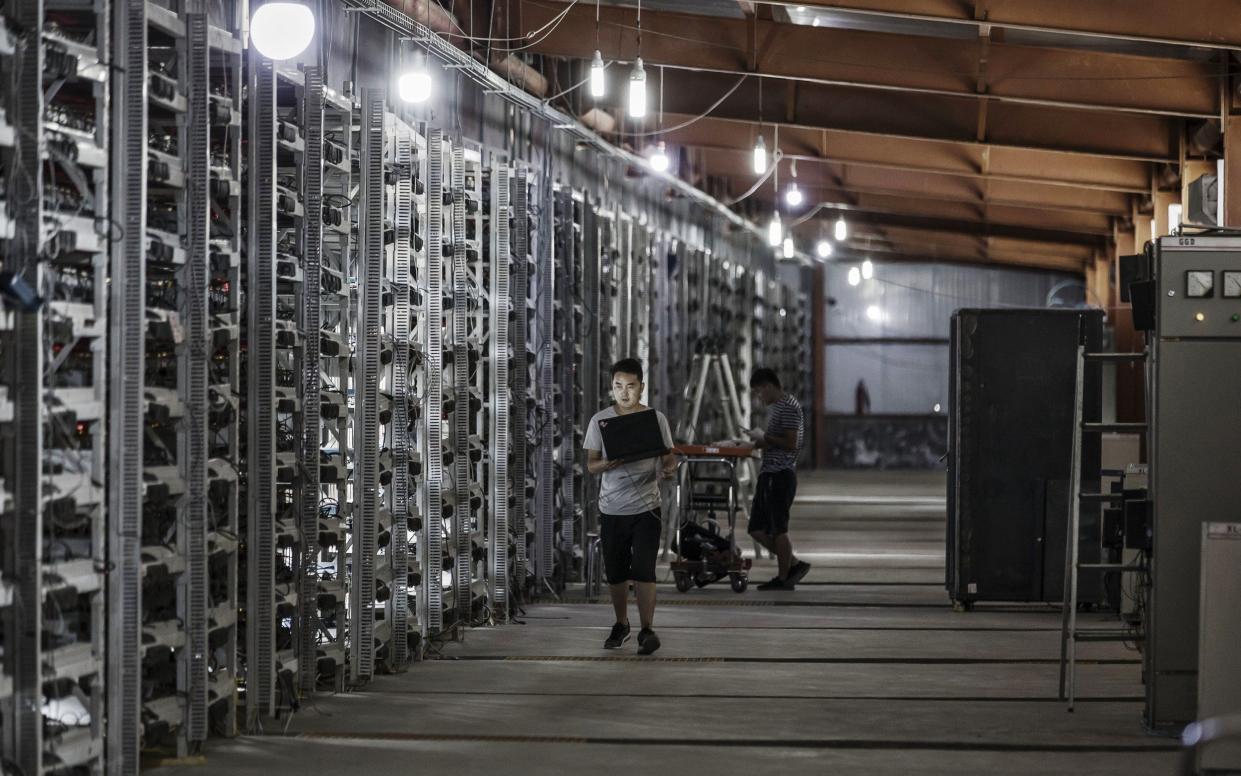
pixel 1010 444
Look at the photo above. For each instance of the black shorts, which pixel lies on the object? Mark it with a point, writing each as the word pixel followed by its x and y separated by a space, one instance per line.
pixel 630 545
pixel 773 497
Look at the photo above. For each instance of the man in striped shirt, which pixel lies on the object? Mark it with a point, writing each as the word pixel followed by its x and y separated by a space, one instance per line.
pixel 777 481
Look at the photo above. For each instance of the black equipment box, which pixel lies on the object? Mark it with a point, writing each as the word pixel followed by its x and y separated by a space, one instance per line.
pixel 1012 382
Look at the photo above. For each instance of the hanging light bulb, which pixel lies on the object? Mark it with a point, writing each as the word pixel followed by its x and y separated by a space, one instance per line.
pixel 775 232
pixel 789 249
pixel 637 90
pixel 824 249
pixel 760 156
pixel 793 195
pixel 596 76
pixel 842 229
pixel 855 276
pixel 659 158
pixel 281 30
pixel 868 270
pixel 414 84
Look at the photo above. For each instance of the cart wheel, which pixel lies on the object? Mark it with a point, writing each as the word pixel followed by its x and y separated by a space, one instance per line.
pixel 739 583
pixel 684 583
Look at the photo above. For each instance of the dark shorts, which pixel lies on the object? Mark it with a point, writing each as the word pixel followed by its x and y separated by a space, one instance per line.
pixel 773 497
pixel 630 545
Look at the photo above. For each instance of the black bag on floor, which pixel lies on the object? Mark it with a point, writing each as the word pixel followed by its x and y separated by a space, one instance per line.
pixel 697 542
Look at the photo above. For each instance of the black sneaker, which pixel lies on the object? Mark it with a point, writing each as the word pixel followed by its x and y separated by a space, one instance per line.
pixel 799 570
pixel 620 634
pixel 648 642
pixel 775 583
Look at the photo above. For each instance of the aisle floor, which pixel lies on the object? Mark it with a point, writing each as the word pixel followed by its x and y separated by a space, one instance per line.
pixel 865 668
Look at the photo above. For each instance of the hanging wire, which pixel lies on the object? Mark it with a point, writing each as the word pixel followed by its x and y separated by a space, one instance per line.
pixel 695 119
pixel 775 160
pixel 659 121
pixel 552 23
pixel 639 29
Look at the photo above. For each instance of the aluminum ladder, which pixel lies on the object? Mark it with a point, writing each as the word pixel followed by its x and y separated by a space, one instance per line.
pixel 1070 634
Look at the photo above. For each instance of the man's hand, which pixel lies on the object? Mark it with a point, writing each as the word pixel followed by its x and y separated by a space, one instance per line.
pixel 756 435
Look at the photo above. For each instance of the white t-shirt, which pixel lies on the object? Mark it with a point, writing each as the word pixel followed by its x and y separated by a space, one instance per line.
pixel 631 488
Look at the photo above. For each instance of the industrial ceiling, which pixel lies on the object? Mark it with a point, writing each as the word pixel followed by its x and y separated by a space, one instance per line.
pixel 1003 131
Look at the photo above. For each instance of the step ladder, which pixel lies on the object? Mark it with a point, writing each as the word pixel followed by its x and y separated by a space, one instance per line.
pixel 712 368
pixel 1070 635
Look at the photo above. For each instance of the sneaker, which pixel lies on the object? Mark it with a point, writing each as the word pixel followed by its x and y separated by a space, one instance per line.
pixel 648 642
pixel 775 583
pixel 620 634
pixel 799 570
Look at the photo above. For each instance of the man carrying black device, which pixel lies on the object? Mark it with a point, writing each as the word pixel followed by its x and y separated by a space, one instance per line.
pixel 630 515
pixel 777 480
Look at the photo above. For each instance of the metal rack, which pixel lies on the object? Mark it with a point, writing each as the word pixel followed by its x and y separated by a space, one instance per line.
pixel 54 140
pixel 358 365
pixel 499 264
pixel 324 625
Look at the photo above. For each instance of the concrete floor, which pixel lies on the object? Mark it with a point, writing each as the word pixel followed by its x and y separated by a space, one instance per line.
pixel 864 669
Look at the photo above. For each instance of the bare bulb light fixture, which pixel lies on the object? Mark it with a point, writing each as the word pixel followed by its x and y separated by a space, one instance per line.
pixel 414 85
pixel 597 82
pixel 282 30
pixel 659 158
pixel 789 249
pixel 637 90
pixel 868 270
pixel 760 156
pixel 855 276
pixel 824 249
pixel 842 229
pixel 793 195
pixel 775 232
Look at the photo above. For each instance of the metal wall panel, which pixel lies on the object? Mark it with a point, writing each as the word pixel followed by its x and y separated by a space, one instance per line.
pixel 913 301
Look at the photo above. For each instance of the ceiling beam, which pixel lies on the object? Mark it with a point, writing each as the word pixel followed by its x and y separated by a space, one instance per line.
pixel 1133 137
pixel 971 160
pixel 862 214
pixel 1085 225
pixel 948 247
pixel 1019 74
pixel 1187 24
pixel 924 185
pixel 911 253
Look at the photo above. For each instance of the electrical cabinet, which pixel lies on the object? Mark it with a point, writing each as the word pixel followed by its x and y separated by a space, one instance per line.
pixel 1195 475
pixel 1012 382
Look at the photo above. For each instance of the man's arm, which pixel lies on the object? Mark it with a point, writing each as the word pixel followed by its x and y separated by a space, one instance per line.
pixel 785 440
pixel 597 464
pixel 669 467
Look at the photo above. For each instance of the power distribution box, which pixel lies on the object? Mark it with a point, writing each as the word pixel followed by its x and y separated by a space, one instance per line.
pixel 1195 472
